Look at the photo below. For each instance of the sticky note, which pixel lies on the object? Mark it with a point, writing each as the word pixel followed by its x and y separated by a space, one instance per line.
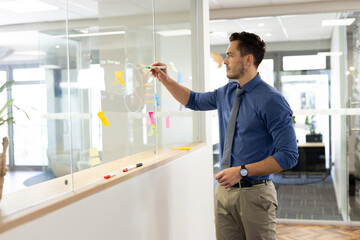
pixel 181 148
pixel 151 115
pixel 94 157
pixel 157 99
pixel 154 130
pixel 179 78
pixel 167 121
pixel 148 121
pixel 150 132
pixel 119 76
pixel 147 101
pixel 103 119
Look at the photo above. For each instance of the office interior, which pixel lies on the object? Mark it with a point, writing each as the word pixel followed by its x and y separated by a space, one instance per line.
pixel 82 98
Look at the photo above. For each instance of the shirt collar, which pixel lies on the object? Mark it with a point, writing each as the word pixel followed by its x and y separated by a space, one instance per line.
pixel 249 86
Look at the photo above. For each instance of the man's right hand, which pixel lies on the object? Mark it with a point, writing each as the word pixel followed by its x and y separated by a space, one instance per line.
pixel 179 92
pixel 160 74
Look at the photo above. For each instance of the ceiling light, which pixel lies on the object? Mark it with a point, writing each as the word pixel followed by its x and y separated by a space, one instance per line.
pixel 352 68
pixel 172 33
pixel 25 6
pixel 218 21
pixel 92 34
pixel 261 24
pixel 50 66
pixel 30 53
pixel 329 53
pixel 338 22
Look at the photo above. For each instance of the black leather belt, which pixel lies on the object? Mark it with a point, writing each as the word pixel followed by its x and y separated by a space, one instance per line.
pixel 246 184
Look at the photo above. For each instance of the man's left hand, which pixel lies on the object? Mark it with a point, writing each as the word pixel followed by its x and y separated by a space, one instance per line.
pixel 228 177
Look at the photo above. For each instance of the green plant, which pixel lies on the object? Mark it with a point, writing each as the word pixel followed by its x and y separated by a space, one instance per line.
pixel 311 124
pixel 4 118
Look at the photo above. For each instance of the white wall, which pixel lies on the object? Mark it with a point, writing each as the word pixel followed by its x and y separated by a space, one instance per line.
pixel 174 201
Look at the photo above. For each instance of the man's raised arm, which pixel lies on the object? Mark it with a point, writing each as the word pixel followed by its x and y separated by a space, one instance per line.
pixel 179 92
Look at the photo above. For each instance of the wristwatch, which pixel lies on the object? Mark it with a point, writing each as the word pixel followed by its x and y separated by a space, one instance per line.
pixel 243 171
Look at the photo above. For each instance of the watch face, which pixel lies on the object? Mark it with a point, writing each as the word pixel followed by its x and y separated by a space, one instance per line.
pixel 243 172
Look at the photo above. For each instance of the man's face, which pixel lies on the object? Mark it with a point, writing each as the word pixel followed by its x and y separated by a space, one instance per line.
pixel 234 62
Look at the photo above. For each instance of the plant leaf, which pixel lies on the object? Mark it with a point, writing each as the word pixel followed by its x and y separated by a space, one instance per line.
pixel 5 85
pixel 22 111
pixel 8 120
pixel 7 105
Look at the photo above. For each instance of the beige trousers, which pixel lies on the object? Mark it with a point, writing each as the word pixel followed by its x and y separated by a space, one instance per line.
pixel 246 213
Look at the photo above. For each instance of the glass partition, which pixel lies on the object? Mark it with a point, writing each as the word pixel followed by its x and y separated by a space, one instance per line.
pixel 85 95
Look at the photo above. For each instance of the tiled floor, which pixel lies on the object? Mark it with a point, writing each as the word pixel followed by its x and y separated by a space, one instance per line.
pixel 306 198
pixel 318 232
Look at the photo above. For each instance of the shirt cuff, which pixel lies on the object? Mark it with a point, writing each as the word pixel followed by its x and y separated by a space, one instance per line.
pixel 191 101
pixel 286 160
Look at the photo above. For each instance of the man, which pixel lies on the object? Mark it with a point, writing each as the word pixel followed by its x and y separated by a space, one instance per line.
pixel 261 142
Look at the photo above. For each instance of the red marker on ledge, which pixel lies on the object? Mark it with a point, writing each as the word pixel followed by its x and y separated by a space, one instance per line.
pixel 109 176
pixel 132 167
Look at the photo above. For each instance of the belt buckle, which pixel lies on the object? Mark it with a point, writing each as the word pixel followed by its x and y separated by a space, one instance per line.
pixel 246 184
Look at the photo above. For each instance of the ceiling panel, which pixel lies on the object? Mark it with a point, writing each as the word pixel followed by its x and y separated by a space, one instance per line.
pixel 218 4
pixel 275 29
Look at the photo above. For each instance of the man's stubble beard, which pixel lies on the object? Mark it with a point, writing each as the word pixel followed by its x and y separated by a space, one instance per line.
pixel 240 73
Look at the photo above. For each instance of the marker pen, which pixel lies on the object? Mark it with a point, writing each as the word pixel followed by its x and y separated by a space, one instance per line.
pixel 132 167
pixel 109 175
pixel 152 67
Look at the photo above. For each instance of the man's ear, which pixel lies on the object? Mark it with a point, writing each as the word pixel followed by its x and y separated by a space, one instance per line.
pixel 249 60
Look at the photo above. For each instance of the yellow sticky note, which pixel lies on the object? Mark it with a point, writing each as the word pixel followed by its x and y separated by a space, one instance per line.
pixel 103 119
pixel 119 77
pixel 154 130
pixel 94 157
pixel 150 132
pixel 181 148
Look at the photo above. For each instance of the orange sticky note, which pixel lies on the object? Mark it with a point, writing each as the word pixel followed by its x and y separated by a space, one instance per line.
pixel 103 119
pixel 119 77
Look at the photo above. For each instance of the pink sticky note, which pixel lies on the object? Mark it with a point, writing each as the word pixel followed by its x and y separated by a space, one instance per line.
pixel 148 121
pixel 152 118
pixel 167 121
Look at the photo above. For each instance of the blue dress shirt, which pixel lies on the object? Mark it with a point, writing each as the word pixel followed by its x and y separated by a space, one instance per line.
pixel 263 127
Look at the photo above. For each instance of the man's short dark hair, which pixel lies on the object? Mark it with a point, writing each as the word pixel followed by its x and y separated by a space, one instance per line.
pixel 250 43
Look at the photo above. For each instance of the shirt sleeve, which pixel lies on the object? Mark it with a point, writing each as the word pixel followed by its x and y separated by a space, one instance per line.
pixel 276 114
pixel 202 101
